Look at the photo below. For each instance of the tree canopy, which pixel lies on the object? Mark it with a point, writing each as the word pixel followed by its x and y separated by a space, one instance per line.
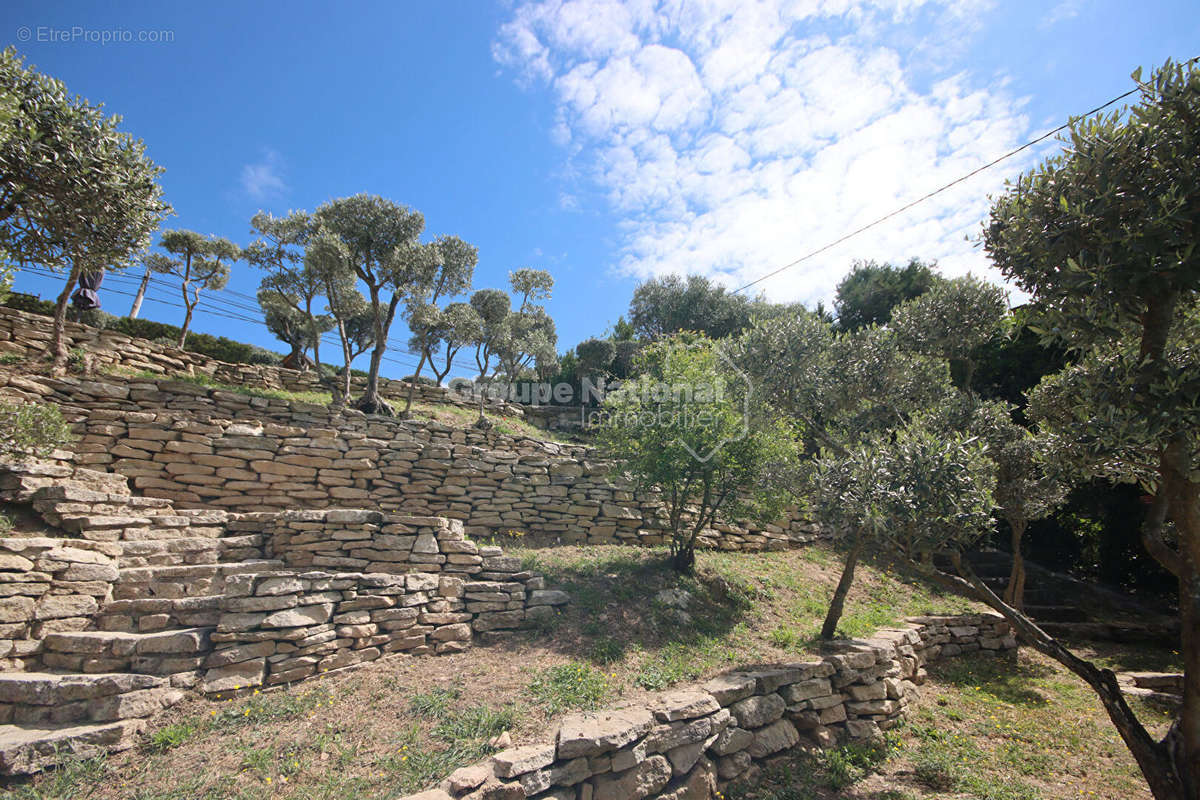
pixel 867 295
pixel 76 192
pixel 662 306
pixel 1104 237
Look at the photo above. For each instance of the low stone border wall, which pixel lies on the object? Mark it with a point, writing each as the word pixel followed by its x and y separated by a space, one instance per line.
pixel 688 742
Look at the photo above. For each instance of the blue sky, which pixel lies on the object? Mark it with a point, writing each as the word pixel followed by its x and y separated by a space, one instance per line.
pixel 606 142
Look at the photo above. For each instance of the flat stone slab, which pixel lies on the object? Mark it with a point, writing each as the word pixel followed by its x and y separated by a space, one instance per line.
pixel 25 749
pixel 593 734
pixel 48 688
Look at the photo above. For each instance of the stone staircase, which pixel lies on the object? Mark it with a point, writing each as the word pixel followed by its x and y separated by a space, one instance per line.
pixel 133 587
pixel 1069 608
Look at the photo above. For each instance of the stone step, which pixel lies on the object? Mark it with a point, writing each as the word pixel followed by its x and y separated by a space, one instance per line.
pixel 1166 634
pixel 34 698
pixel 183 581
pixel 64 500
pixel 1052 613
pixel 19 483
pixel 187 551
pixel 166 652
pixel 25 749
pixel 145 615
pixel 1169 682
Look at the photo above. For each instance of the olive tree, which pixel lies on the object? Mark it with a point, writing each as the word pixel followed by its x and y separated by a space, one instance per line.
pixel 450 274
pixel 1030 483
pixel 1103 236
pixel 200 262
pixel 291 325
pixel 684 427
pixel 329 262
pixel 381 243
pixel 952 320
pixel 844 390
pixel 76 193
pixel 279 251
pixel 451 329
pixel 914 492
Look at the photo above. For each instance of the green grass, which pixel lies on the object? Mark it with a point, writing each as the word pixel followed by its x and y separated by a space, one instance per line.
pixel 172 735
pixel 743 607
pixel 568 686
pixel 315 398
pixel 466 416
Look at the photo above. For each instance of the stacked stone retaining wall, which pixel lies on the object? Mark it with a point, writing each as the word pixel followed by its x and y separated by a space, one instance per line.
pixel 28 336
pixel 126 602
pixel 204 448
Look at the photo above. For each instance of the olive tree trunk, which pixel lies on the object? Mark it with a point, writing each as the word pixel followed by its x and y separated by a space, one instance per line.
pixel 1166 765
pixel 371 402
pixel 58 347
pixel 838 603
pixel 1014 593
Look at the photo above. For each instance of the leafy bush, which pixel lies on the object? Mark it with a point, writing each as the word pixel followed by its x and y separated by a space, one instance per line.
pixel 28 303
pixel 31 429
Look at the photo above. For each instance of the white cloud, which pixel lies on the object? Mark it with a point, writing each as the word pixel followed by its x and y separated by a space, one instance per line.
pixel 1061 12
pixel 264 179
pixel 732 137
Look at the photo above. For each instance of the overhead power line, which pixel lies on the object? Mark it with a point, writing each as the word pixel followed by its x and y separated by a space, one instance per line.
pixel 210 305
pixel 940 189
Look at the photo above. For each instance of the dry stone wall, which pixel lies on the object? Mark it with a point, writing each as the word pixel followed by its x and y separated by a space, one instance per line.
pixel 29 335
pixel 203 448
pixel 127 602
pixel 137 567
pixel 281 627
pixel 689 742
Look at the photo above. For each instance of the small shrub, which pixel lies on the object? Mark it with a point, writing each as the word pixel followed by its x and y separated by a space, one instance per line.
pixel 31 429
pixel 8 359
pixel 6 524
pixel 77 360
pixel 171 736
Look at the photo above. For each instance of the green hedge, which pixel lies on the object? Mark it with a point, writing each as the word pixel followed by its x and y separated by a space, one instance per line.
pixel 204 344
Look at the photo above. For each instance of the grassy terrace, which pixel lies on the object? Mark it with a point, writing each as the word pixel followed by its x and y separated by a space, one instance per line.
pixel 398 726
